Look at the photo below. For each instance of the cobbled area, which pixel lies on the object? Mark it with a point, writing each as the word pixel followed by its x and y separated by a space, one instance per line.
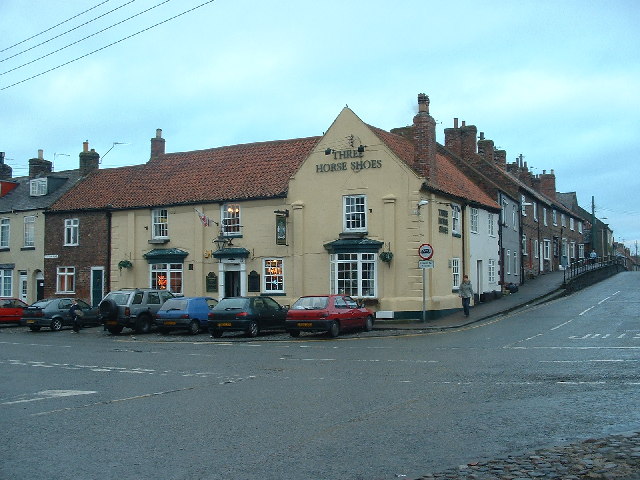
pixel 616 457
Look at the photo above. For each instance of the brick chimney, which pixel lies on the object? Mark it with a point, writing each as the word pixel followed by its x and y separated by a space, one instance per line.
pixel 468 135
pixel 39 166
pixel 500 157
pixel 6 172
pixel 486 148
pixel 157 144
pixel 548 184
pixel 89 159
pixel 424 137
pixel 452 138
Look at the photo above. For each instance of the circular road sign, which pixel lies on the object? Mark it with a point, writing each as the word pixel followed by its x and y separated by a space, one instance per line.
pixel 425 251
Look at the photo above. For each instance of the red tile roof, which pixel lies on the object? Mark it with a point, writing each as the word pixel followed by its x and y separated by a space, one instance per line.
pixel 248 171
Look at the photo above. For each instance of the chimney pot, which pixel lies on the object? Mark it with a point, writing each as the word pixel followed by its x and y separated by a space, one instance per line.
pixel 40 154
pixel 455 123
pixel 481 135
pixel 85 146
pixel 158 133
pixel 464 124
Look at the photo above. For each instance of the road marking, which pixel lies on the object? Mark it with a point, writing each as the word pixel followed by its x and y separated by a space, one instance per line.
pixel 585 311
pixel 48 394
pixel 562 324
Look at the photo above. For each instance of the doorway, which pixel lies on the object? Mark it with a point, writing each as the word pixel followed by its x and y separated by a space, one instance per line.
pixel 39 286
pixel 232 284
pixel 97 285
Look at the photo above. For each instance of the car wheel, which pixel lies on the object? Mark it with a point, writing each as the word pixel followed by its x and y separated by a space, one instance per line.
pixel 368 324
pixel 35 328
pixel 294 333
pixel 115 330
pixel 56 324
pixel 143 324
pixel 216 333
pixel 253 329
pixel 194 327
pixel 334 329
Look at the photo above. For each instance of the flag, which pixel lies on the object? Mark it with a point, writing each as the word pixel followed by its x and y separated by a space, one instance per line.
pixel 206 221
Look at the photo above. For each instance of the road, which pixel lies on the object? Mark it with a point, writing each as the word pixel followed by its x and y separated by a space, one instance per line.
pixel 95 406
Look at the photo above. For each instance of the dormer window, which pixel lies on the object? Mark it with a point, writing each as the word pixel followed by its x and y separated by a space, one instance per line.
pixel 38 187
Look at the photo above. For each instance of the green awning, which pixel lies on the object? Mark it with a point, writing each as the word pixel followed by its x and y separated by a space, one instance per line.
pixel 354 245
pixel 231 252
pixel 165 255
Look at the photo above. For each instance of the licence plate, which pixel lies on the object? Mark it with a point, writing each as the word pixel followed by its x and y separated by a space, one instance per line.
pixel 112 322
pixel 169 323
pixel 224 324
pixel 31 321
pixel 304 324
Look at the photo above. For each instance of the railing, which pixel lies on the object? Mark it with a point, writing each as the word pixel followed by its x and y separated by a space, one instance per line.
pixel 585 265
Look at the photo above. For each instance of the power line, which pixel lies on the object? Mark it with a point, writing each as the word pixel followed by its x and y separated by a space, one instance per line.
pixel 85 38
pixel 68 31
pixel 110 45
pixel 51 28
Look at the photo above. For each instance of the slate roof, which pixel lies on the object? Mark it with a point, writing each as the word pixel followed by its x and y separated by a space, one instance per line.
pixel 237 172
pixel 20 199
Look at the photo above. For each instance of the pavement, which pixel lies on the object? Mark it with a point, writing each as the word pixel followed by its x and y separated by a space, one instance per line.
pixel 542 288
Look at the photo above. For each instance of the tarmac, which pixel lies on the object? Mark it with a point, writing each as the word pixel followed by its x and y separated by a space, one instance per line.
pixel 543 288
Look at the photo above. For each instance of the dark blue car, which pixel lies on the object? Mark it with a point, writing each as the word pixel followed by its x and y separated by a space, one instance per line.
pixel 190 313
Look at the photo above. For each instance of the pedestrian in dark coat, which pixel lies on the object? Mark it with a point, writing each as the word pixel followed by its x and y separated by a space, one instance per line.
pixel 76 316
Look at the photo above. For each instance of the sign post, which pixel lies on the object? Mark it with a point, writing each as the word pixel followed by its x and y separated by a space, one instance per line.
pixel 425 252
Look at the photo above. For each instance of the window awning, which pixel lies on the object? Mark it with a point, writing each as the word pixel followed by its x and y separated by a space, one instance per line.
pixel 231 252
pixel 165 255
pixel 354 245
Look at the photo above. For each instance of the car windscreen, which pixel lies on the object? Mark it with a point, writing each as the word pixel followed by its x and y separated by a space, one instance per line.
pixel 310 303
pixel 41 303
pixel 121 298
pixel 175 304
pixel 232 304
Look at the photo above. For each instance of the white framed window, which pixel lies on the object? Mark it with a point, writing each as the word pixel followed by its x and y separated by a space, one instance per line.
pixel 5 231
pixel 563 220
pixel 581 250
pixel 544 216
pixel 231 225
pixel 491 225
pixel 29 231
pixel 455 219
pixel 354 209
pixel 160 223
pixel 503 213
pixel 492 270
pixel 508 262
pixel 38 187
pixel 455 273
pixel 71 231
pixel 572 250
pixel 536 244
pixel 474 220
pixel 514 258
pixel 273 275
pixel 513 216
pixel 524 245
pixel 554 216
pixel 353 274
pixel 546 249
pixel 579 226
pixel 523 201
pixel 166 276
pixel 66 280
pixel 572 223
pixel 6 282
pixel 535 211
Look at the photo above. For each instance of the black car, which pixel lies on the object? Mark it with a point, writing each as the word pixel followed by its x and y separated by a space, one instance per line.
pixel 246 314
pixel 54 313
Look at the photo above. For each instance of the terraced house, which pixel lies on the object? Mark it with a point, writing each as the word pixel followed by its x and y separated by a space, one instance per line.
pixel 344 212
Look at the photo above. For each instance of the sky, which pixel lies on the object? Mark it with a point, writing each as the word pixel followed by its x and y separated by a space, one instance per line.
pixel 554 80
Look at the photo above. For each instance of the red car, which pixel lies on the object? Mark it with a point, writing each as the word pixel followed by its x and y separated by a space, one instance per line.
pixel 327 313
pixel 11 310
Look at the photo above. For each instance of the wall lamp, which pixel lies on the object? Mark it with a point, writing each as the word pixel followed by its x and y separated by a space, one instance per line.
pixel 361 148
pixel 222 242
pixel 422 203
pixel 328 151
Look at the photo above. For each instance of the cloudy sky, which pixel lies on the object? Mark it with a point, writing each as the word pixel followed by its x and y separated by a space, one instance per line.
pixel 554 80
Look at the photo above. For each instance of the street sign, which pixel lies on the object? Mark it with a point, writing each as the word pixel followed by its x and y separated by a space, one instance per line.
pixel 425 264
pixel 425 251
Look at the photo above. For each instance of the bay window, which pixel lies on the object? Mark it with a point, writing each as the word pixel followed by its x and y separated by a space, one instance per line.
pixel 353 274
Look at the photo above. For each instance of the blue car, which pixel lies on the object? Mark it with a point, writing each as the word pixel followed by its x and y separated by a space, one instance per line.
pixel 190 313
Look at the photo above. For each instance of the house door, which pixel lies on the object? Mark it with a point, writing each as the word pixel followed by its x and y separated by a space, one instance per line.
pixel 231 284
pixel 541 248
pixel 479 279
pixel 97 285
pixel 39 286
pixel 23 287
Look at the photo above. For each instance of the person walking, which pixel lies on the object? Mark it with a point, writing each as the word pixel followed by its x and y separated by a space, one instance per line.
pixel 466 292
pixel 76 315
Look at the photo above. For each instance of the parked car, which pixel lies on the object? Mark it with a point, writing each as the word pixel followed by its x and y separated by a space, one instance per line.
pixel 246 314
pixel 327 313
pixel 134 308
pixel 191 313
pixel 11 310
pixel 54 313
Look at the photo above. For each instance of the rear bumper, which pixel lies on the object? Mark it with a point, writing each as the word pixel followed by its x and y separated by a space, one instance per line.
pixel 308 325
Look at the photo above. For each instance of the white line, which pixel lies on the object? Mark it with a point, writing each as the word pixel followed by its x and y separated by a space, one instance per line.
pixel 582 313
pixel 603 300
pixel 562 324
